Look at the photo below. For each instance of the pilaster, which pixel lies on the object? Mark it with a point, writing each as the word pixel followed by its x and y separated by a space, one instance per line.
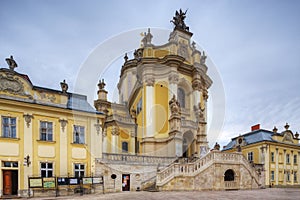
pixel 63 151
pixel 28 148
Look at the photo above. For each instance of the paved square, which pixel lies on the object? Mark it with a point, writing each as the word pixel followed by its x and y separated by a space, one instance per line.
pixel 269 193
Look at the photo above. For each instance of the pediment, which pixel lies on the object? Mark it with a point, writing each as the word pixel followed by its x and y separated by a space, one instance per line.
pixel 15 84
pixel 288 137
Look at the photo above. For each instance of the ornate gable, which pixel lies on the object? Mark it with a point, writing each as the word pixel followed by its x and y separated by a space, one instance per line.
pixel 15 84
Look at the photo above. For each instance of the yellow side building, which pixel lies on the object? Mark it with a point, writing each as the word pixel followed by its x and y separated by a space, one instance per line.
pixel 44 133
pixel 278 153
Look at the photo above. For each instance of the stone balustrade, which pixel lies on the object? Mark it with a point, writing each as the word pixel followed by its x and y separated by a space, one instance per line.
pixel 231 185
pixel 139 159
pixel 194 168
pixel 186 169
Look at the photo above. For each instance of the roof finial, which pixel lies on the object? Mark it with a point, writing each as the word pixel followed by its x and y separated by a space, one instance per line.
pixel 125 57
pixel 287 126
pixel 64 86
pixel 101 84
pixel 11 63
pixel 275 129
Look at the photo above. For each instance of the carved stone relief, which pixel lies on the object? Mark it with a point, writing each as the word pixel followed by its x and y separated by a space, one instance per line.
pixel 48 97
pixel 183 50
pixel 12 85
pixel 27 119
pixel 63 123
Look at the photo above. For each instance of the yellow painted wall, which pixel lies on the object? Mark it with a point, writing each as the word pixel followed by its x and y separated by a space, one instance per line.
pixel 162 107
pixel 44 151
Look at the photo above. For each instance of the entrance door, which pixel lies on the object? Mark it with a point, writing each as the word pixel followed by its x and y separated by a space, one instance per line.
pixel 125 182
pixel 10 182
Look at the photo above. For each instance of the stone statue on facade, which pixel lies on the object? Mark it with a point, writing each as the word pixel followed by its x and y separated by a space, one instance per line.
pixel 217 147
pixel 178 20
pixel 64 86
pixel 11 63
pixel 174 106
pixel 199 111
pixel 203 58
pixel 147 38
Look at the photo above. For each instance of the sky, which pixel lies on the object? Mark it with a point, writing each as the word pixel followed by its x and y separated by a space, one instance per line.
pixel 253 44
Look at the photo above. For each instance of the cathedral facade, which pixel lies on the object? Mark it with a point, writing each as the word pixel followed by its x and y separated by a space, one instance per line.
pixel 155 138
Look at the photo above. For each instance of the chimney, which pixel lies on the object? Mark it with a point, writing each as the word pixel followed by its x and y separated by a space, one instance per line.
pixel 255 127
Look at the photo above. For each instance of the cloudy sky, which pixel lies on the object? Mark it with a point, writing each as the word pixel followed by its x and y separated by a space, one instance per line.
pixel 254 45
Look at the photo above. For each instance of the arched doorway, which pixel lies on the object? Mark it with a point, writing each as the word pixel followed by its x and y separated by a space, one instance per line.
pixel 229 175
pixel 188 144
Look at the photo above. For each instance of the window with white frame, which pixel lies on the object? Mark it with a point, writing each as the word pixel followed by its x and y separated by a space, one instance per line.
pixel 272 157
pixel 46 169
pixel 295 159
pixel 79 170
pixel 250 156
pixel 78 134
pixel 9 127
pixel 272 175
pixel 288 158
pixel 46 131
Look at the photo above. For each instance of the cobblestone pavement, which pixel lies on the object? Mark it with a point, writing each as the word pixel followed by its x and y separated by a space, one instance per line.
pixel 262 194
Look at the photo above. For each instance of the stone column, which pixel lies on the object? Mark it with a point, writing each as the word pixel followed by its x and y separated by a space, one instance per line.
pixel 114 139
pixel 104 141
pixel 196 84
pixel 199 90
pixel 173 85
pixel 132 141
pixel 149 101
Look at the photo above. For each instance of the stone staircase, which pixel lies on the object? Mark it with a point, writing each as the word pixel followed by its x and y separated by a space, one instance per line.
pixel 211 167
pixel 149 185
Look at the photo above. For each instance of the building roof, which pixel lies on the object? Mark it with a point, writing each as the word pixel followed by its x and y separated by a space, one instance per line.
pixel 79 102
pixel 76 102
pixel 251 138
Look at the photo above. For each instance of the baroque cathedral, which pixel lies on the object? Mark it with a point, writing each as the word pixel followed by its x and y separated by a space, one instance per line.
pixel 155 138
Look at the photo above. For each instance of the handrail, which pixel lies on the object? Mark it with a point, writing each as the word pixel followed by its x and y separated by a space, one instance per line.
pixel 194 168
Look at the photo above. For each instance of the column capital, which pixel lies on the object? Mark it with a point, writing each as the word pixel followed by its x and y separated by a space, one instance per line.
pixel 196 85
pixel 150 81
pixel 115 130
pixel 173 78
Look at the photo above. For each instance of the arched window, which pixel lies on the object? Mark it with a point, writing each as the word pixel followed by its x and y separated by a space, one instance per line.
pixel 229 175
pixel 124 147
pixel 181 97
